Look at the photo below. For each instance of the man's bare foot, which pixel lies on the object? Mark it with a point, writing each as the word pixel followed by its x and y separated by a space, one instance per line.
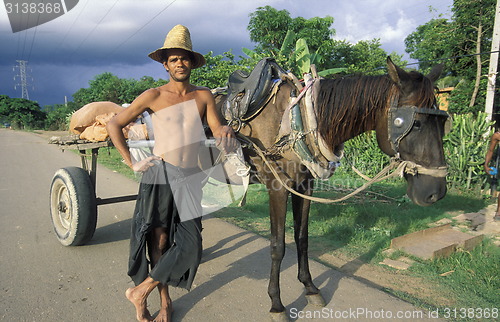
pixel 140 304
pixel 165 314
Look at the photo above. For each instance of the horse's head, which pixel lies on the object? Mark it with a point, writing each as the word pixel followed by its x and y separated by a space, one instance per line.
pixel 413 129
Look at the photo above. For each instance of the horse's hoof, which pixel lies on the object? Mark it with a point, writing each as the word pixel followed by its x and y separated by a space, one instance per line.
pixel 316 300
pixel 279 317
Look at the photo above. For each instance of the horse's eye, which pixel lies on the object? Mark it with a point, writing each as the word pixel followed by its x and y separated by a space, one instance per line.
pixel 417 125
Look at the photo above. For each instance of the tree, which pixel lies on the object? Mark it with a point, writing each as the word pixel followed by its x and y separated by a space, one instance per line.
pixel 276 35
pixel 216 71
pixel 104 87
pixel 461 41
pixel 21 113
pixel 279 36
pixel 108 87
pixel 268 28
pixel 315 31
pixel 429 43
pixel 365 57
pixel 473 25
pixel 58 116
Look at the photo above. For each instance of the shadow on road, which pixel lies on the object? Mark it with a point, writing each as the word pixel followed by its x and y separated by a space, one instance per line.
pixel 112 233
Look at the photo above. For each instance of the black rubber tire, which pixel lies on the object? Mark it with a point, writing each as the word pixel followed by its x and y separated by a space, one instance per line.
pixel 73 206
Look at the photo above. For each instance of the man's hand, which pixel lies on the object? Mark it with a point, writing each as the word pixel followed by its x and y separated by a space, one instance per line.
pixel 145 164
pixel 226 139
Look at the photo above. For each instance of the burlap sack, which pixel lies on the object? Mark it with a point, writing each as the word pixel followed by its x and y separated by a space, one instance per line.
pixel 97 132
pixel 86 116
pixel 136 132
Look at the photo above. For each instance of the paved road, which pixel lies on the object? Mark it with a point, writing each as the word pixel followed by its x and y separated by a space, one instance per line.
pixel 41 280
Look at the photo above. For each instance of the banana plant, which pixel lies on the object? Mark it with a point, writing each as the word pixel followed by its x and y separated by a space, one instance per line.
pixel 298 59
pixel 304 59
pixel 282 57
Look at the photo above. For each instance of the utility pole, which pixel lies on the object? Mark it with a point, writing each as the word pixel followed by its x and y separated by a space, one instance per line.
pixel 23 82
pixel 492 73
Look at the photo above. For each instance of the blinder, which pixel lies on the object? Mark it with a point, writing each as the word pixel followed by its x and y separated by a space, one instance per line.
pixel 400 121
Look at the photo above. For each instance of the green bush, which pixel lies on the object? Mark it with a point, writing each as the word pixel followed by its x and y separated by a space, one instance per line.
pixel 465 148
pixel 363 153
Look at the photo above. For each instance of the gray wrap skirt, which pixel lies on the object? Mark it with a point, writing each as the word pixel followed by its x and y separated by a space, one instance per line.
pixel 169 197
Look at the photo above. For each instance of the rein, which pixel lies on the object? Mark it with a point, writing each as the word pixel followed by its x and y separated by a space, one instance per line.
pixel 399 165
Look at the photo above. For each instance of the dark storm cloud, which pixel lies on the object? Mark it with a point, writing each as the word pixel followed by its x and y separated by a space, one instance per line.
pixel 116 36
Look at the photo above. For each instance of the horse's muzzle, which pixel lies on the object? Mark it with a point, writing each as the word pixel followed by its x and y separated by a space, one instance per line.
pixel 424 190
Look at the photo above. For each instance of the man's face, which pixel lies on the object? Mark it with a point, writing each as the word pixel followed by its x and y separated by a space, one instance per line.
pixel 178 65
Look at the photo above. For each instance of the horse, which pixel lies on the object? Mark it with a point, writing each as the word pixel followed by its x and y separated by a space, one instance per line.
pixel 400 106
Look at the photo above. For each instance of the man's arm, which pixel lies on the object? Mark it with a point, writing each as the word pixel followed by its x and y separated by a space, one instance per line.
pixel 116 124
pixel 495 138
pixel 223 133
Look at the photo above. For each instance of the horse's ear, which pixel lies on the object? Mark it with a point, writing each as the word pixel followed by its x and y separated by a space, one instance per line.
pixel 396 74
pixel 435 73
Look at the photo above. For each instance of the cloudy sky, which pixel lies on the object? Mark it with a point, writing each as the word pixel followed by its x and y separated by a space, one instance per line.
pixel 99 36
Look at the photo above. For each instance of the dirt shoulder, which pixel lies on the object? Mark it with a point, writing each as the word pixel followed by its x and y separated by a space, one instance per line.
pixel 382 277
pixel 48 134
pixel 401 280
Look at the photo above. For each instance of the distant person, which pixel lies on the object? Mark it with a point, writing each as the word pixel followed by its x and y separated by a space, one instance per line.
pixel 167 218
pixel 495 138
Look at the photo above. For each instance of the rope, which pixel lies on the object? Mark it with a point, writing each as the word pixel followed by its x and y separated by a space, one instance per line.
pixel 413 169
pixel 379 177
pixel 399 165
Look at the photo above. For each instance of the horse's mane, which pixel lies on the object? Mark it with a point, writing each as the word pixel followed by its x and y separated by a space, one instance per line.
pixel 348 106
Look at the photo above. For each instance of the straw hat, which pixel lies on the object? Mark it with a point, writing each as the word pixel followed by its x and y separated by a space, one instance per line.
pixel 178 37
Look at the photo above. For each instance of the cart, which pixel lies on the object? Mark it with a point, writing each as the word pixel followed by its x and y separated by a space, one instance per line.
pixel 73 200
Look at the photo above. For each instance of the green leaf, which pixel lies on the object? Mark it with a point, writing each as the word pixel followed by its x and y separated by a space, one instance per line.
pixel 303 58
pixel 248 52
pixel 331 71
pixel 287 42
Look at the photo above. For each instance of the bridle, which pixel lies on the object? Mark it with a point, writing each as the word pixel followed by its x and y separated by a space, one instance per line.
pixel 399 123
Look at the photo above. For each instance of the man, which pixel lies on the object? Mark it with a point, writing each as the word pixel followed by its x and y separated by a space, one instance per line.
pixel 167 217
pixel 495 138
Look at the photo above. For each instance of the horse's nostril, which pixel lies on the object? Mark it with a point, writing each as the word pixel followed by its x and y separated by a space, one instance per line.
pixel 433 198
pixel 437 195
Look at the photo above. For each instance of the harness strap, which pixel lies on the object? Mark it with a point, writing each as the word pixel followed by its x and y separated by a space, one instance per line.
pixel 413 169
pixel 299 131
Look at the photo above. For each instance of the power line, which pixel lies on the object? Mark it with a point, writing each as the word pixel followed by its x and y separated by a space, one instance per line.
pixel 95 27
pixel 34 34
pixel 71 27
pixel 134 33
pixel 143 26
pixel 452 57
pixel 429 61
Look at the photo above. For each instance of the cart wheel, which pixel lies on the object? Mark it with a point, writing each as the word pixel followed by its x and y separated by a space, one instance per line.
pixel 73 206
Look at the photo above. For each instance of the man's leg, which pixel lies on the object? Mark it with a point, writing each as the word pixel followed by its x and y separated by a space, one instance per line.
pixel 138 296
pixel 159 244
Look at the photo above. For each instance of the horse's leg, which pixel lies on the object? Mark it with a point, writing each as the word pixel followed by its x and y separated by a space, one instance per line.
pixel 301 209
pixel 277 210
